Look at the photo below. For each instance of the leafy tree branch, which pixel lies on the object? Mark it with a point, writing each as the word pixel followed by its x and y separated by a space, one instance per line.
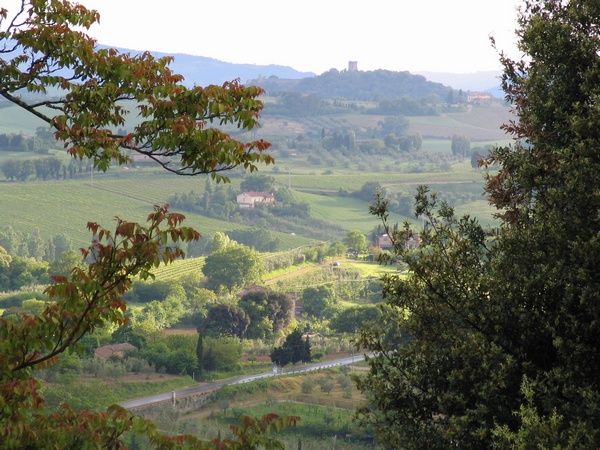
pixel 92 91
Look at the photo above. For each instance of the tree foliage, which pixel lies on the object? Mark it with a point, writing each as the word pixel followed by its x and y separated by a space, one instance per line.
pixel 220 241
pixel 368 190
pixel 40 168
pixel 200 351
pixel 222 353
pixel 489 341
pixel 232 267
pixel 269 312
pixel 461 145
pixel 257 183
pixel 45 51
pixel 356 240
pixel 86 300
pixel 365 85
pixel 31 245
pixel 294 349
pixel 225 320
pixel 257 238
pixel 353 318
pixel 53 70
pixel 317 300
pixel 21 272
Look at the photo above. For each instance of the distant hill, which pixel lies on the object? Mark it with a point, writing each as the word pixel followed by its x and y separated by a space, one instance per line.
pixel 360 85
pixel 354 85
pixel 201 70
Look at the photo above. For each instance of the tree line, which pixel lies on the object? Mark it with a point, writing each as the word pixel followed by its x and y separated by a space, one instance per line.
pixel 18 142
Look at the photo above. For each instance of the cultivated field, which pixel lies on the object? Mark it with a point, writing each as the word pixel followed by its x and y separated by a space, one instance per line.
pixel 54 207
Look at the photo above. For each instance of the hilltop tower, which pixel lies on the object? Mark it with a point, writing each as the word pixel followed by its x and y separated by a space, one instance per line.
pixel 352 66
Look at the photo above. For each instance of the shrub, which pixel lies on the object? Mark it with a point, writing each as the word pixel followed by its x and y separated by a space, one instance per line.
pixel 307 385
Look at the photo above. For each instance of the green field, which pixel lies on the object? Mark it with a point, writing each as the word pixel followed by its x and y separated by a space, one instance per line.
pixel 350 213
pixel 369 269
pixel 178 269
pixel 65 206
pixel 353 181
pixel 54 207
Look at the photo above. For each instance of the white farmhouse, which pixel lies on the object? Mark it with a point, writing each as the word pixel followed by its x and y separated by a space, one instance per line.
pixel 249 199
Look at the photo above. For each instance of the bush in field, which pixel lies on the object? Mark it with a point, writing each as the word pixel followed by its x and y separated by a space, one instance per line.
pixel 17 298
pixel 145 292
pixel 327 384
pixel 308 385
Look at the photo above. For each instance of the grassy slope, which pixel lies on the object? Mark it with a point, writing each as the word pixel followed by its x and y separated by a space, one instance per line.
pixel 284 397
pixel 350 213
pixel 353 181
pixel 479 123
pixel 66 206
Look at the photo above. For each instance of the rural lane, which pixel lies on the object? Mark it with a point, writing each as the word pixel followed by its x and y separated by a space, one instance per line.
pixel 207 387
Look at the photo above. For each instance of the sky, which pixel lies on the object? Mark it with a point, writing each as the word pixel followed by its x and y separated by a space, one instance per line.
pixel 317 35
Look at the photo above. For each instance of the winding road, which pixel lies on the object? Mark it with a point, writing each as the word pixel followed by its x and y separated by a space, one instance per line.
pixel 207 387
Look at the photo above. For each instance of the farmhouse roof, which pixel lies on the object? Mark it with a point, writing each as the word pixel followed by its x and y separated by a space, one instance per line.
pixel 258 194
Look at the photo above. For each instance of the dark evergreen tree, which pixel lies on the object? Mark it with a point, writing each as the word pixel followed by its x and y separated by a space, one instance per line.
pixel 306 350
pixel 491 340
pixel 293 350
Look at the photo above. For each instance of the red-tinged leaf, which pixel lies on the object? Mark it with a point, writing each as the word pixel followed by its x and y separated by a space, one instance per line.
pixel 59 278
pixel 93 227
pixel 48 362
